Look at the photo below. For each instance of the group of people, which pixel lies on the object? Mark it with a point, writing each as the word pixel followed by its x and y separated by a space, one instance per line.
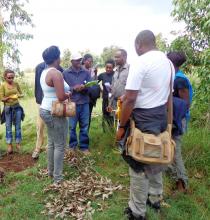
pixel 143 88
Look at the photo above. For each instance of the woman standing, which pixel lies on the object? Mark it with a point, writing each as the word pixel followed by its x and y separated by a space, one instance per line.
pixel 54 88
pixel 10 92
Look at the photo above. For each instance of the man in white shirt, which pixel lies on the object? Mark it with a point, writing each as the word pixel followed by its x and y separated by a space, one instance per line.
pixel 146 95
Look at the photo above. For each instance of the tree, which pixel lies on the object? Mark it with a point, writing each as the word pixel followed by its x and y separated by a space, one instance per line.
pixel 12 17
pixel 108 53
pixel 65 60
pixel 182 44
pixel 161 42
pixel 195 13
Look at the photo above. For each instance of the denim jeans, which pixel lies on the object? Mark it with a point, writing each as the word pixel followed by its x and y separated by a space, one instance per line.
pixel 57 129
pixel 17 123
pixel 82 116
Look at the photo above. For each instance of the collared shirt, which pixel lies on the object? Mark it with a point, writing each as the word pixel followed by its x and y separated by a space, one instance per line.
pixel 118 83
pixel 73 78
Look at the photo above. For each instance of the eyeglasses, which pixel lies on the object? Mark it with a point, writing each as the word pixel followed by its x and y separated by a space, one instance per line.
pixel 10 77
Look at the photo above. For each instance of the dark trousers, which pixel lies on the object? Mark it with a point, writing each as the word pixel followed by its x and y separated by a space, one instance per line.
pixel 91 105
pixel 108 119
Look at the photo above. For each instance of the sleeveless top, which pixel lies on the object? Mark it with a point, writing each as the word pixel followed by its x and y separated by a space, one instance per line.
pixel 49 92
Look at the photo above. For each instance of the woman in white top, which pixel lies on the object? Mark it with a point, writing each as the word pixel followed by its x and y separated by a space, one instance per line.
pixel 54 88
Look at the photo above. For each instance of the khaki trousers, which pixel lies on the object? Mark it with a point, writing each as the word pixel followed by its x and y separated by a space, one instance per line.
pixel 40 127
pixel 141 186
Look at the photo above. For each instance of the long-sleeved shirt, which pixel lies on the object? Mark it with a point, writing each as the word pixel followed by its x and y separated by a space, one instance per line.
pixel 73 78
pixel 6 92
pixel 118 83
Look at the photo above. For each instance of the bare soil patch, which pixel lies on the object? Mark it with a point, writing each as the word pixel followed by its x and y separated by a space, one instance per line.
pixel 16 162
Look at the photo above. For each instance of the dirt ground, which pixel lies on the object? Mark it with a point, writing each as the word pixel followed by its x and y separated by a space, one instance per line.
pixel 16 162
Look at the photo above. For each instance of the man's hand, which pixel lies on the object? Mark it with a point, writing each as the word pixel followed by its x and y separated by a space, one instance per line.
pixel 120 133
pixel 79 88
pixel 109 109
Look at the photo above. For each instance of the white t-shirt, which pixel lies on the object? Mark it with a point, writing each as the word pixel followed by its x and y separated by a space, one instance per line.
pixel 151 76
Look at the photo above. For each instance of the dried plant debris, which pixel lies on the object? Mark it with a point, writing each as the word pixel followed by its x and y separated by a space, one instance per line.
pixel 74 197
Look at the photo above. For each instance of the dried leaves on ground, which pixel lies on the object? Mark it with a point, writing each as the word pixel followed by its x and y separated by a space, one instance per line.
pixel 75 197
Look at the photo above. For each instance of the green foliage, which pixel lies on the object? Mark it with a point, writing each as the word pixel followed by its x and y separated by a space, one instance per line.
pixel 196 15
pixel 161 42
pixel 65 60
pixel 108 53
pixel 201 103
pixel 182 43
pixel 10 32
pixel 26 88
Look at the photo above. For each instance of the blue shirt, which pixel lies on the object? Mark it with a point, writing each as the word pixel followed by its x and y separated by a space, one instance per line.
pixel 73 78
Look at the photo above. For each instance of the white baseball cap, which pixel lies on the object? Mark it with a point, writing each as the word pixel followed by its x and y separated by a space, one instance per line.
pixel 76 56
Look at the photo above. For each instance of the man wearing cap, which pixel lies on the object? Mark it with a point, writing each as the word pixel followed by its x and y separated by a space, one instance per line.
pixel 76 76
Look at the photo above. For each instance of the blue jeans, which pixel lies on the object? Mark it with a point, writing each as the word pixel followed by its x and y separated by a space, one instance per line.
pixel 82 116
pixel 57 128
pixel 9 120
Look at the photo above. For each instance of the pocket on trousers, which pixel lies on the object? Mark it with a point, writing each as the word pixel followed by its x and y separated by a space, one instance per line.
pixel 47 118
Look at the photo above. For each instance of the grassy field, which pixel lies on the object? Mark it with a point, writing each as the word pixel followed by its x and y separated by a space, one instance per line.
pixel 22 196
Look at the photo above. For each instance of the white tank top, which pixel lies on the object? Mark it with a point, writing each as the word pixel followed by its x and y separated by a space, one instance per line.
pixel 49 92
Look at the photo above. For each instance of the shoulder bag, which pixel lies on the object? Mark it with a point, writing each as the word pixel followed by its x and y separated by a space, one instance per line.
pixel 150 148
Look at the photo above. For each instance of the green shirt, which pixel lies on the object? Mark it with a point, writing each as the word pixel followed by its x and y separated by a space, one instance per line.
pixel 5 91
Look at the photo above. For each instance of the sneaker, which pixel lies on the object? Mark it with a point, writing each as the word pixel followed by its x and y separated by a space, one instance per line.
pixel 130 216
pixel 155 205
pixel 86 152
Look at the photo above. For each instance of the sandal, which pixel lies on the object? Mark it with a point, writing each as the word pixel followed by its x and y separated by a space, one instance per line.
pixel 18 147
pixel 9 149
pixel 35 154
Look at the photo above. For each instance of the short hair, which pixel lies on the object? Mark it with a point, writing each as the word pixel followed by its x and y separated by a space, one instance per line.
pixel 124 52
pixel 86 57
pixel 110 61
pixel 177 58
pixel 146 37
pixel 51 54
pixel 8 71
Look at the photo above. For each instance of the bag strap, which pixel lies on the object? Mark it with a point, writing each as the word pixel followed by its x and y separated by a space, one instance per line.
pixel 170 105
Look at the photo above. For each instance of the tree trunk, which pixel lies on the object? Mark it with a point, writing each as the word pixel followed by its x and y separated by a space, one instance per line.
pixel 1 45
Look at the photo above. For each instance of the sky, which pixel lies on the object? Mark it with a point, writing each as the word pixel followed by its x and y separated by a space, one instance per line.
pixel 94 24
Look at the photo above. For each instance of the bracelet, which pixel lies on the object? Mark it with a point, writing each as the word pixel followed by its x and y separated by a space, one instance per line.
pixel 120 126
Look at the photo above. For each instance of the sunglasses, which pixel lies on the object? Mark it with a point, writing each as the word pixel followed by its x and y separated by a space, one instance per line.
pixel 10 77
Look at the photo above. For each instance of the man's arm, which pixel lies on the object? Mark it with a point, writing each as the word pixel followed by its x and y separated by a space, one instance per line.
pixel 127 108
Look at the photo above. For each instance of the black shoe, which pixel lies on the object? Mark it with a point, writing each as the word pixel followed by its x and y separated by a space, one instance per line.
pixel 155 205
pixel 129 214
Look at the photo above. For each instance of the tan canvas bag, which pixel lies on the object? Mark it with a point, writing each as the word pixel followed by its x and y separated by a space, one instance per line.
pixel 63 109
pixel 150 148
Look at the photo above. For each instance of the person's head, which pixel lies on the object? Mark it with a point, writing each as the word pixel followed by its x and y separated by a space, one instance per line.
pixel 9 76
pixel 76 61
pixel 144 42
pixel 177 58
pixel 51 56
pixel 120 57
pixel 87 61
pixel 109 66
